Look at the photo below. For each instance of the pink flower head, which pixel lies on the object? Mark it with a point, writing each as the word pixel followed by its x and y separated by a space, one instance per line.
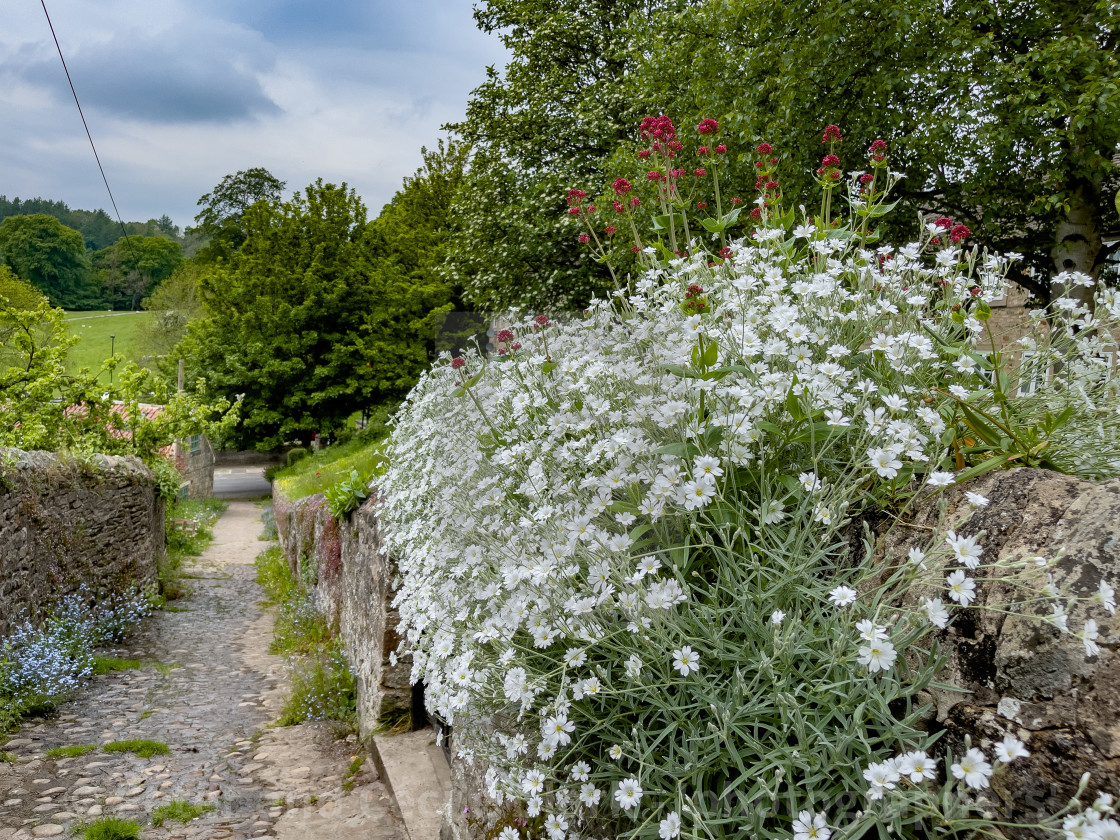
pixel 764 148
pixel 700 205
pixel 866 178
pixel 944 222
pixel 879 147
pixel 708 126
pixel 515 346
pixel 831 134
pixel 958 233
pixel 621 186
pixel 660 127
pixel 504 335
pixel 590 208
pixel 644 153
pixel 834 174
pixel 542 321
pixel 584 238
pixel 700 173
pixel 635 201
pixel 736 201
pixel 725 253
pixel 610 230
pixel 703 150
pixel 721 149
pixel 756 213
pixel 576 197
pixel 618 206
pixel 654 175
pixel 458 362
pixel 573 211
pixel 830 160
pixel 676 173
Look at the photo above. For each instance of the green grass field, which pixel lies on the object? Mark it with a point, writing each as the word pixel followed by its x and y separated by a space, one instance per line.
pixel 94 330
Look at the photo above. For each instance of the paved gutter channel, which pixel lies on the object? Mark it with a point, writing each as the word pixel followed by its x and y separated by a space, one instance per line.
pixel 212 709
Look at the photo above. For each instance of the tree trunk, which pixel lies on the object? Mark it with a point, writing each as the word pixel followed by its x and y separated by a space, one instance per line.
pixel 1077 242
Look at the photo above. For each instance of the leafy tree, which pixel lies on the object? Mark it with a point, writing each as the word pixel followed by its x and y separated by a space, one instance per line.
pixel 50 256
pixel 287 320
pixel 18 295
pixel 132 266
pixel 548 123
pixel 174 304
pixel 221 219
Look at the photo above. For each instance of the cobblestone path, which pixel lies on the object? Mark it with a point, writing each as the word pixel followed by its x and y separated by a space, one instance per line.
pixel 209 693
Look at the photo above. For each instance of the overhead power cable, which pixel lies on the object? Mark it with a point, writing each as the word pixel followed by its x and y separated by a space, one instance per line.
pixel 96 157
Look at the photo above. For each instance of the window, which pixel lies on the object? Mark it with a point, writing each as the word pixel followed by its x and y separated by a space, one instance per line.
pixel 1031 376
pixel 196 443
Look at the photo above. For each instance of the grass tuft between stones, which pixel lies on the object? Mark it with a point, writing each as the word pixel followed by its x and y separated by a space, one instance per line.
pixel 179 810
pixel 112 828
pixel 142 748
pixel 71 752
pixel 108 664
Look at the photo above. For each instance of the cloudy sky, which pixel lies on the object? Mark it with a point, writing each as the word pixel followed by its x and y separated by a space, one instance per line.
pixel 178 93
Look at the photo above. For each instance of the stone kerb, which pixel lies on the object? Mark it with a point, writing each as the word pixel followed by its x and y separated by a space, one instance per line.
pixel 352 582
pixel 65 525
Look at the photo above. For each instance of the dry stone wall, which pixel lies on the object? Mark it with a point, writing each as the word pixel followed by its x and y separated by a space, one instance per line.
pixel 65 525
pixel 352 581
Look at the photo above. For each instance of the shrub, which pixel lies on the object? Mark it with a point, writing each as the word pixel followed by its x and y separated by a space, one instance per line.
pixel 296 453
pixel 112 828
pixel 347 496
pixel 623 542
pixel 179 810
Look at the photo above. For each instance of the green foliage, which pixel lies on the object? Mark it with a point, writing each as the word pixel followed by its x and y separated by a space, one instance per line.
pixel 1005 122
pixel 78 413
pixel 112 828
pixel 322 689
pixel 130 268
pixel 330 466
pixel 19 293
pixel 348 494
pixel 8 757
pixel 296 453
pixel 138 746
pixel 179 810
pixel 188 530
pixel 174 304
pixel 97 228
pixel 108 664
pixel 49 256
pixel 221 219
pixel 72 751
pixel 274 575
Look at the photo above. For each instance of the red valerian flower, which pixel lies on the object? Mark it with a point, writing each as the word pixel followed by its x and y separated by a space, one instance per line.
pixel 573 211
pixel 866 178
pixel 458 362
pixel 878 146
pixel 542 321
pixel 831 134
pixel 504 336
pixel 700 205
pixel 958 233
pixel 764 148
pixel 644 153
pixel 721 149
pixel 703 150
pixel 584 238
pixel 725 253
pixel 635 201
pixel 944 222
pixel 736 201
pixel 830 160
pixel 700 173
pixel 621 186
pixel 708 126
pixel 610 230
pixel 654 175
pixel 756 213
pixel 618 206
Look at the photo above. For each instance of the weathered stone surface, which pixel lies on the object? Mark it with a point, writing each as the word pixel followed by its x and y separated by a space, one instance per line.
pixel 65 525
pixel 352 581
pixel 1021 674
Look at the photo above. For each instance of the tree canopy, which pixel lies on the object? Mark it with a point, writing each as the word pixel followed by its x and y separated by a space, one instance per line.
pixel 133 266
pixel 221 219
pixel 1003 115
pixel 50 256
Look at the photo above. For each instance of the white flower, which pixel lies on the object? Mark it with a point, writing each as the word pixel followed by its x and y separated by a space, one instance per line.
pixel 917 556
pixel 772 512
pixel 532 782
pixel 776 617
pixel 877 656
pixel 509 833
pixel 696 494
pixel 686 660
pixel 842 596
pixel 835 417
pixel 884 462
pixel 557 730
pixel 633 667
pixel 917 766
pixel 962 589
pixel 810 826
pixel 965 548
pixel 589 795
pixel 615 752
pixel 1107 596
pixel 556 825
pixel 1089 636
pixel 940 479
pixel 670 827
pixel 580 771
pixel 936 613
pixel 707 466
pixel 809 482
pixel 629 794
pixel 869 631
pixel 1059 618
pixel 974 769
pixel 1010 749
pixel 976 500
pixel 882 777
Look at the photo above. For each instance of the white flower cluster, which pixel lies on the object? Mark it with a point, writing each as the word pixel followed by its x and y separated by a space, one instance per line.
pixel 559 511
